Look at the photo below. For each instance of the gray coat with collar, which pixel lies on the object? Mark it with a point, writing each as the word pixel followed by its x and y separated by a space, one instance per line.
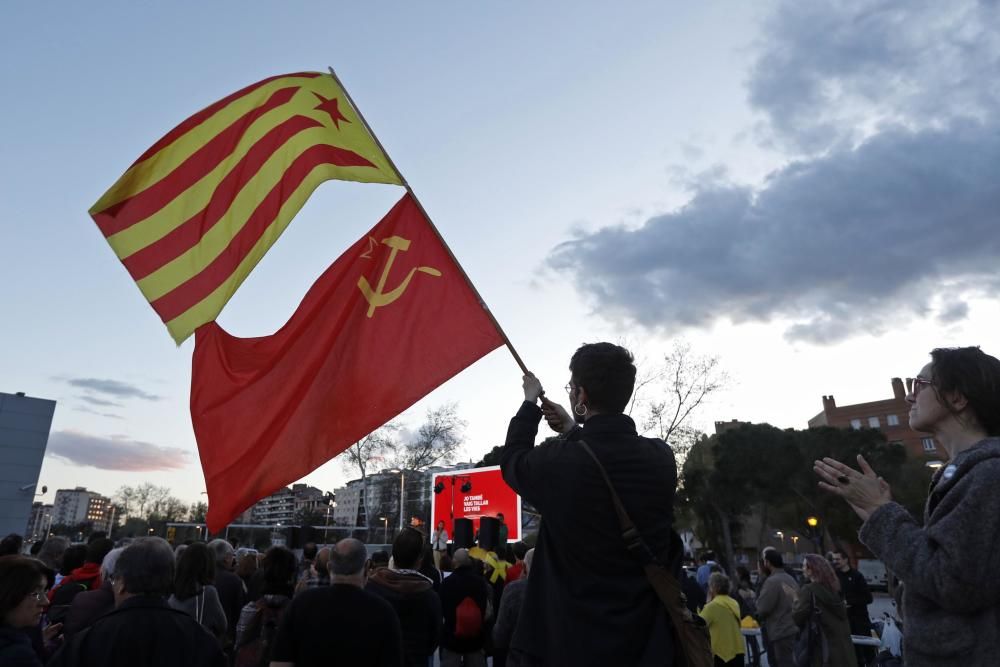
pixel 950 567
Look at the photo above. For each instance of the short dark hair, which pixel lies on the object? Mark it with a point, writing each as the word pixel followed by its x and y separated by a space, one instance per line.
pixel 348 557
pixel 407 548
pixel 840 551
pixel 774 559
pixel 98 549
pixel 607 372
pixel 520 548
pixel 279 569
pixel 973 374
pixel 19 577
pixel 74 556
pixel 380 558
pixel 309 550
pixel 11 545
pixel 146 567
pixel 195 568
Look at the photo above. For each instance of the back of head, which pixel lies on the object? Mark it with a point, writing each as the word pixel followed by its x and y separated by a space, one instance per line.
pixel 461 558
pixel 146 567
pixel 407 548
pixel 309 550
pixel 52 551
pixel 520 548
pixel 74 556
pixel 719 583
pixel 322 559
pixel 98 549
pixel 11 545
pixel 279 568
pixel 976 376
pixel 607 373
pixel 221 550
pixel 108 564
pixel 821 572
pixel 348 558
pixel 19 577
pixel 380 559
pixel 195 569
pixel 773 558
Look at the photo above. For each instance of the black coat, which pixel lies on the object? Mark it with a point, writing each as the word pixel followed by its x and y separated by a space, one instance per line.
pixel 460 584
pixel 142 631
pixel 588 600
pixel 232 596
pixel 15 648
pixel 418 608
pixel 86 608
pixel 857 596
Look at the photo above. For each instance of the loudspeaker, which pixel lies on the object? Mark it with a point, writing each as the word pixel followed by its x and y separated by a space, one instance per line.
pixel 489 533
pixel 293 536
pixel 463 534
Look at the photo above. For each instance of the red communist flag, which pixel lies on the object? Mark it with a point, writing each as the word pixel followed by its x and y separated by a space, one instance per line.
pixel 390 320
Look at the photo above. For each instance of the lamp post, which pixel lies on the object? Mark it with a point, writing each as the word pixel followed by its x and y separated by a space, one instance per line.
pixel 782 536
pixel 386 535
pixel 795 541
pixel 814 532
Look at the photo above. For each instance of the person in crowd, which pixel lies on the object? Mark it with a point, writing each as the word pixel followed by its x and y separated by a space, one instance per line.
pixel 948 565
pixel 22 601
pixel 11 545
pixel 822 590
pixel 87 577
pixel 35 548
pixel 51 555
pixel 340 623
pixel 142 629
pixel 379 559
pixel 774 609
pixel 744 592
pixel 90 605
pixel 510 608
pixel 309 551
pixel 465 599
pixel 178 550
pixel 515 571
pixel 427 567
pixel 318 573
pixel 854 589
pixel 705 569
pixel 503 536
pixel 246 565
pixel 412 596
pixel 74 557
pixel 439 543
pixel 228 586
pixel 446 567
pixel 194 592
pixel 694 597
pixel 589 585
pixel 258 621
pixel 722 614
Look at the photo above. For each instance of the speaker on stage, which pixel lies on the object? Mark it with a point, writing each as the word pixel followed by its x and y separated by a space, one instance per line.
pixel 463 533
pixel 489 533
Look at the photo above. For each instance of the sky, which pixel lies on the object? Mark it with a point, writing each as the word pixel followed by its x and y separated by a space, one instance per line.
pixel 806 190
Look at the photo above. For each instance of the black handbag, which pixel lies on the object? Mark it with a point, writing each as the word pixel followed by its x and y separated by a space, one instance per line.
pixel 692 641
pixel 811 641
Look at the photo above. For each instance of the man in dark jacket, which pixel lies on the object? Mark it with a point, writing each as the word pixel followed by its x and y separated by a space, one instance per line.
pixel 229 586
pixel 858 596
pixel 462 589
pixel 143 629
pixel 589 601
pixel 412 596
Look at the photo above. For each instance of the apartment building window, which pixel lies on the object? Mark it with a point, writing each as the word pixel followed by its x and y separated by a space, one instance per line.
pixel 873 422
pixel 892 420
pixel 856 424
pixel 928 444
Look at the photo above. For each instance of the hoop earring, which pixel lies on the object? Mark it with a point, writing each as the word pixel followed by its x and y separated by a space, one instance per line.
pixel 580 409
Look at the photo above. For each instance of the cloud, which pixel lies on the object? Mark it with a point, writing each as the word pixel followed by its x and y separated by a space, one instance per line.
pixel 93 400
pixel 115 452
pixel 99 414
pixel 112 388
pixel 890 209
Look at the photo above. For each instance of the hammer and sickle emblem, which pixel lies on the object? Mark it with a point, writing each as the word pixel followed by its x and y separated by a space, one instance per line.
pixel 376 298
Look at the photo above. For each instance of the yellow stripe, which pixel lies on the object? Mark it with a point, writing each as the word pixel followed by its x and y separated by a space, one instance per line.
pixel 209 308
pixel 195 198
pixel 216 239
pixel 142 175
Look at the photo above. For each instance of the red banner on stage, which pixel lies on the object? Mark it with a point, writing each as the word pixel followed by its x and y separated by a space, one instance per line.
pixel 488 496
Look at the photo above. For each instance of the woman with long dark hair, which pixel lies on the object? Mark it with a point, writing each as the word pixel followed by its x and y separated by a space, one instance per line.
pixel 822 591
pixel 194 592
pixel 948 565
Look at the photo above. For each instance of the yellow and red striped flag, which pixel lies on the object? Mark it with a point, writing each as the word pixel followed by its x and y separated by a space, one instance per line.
pixel 197 211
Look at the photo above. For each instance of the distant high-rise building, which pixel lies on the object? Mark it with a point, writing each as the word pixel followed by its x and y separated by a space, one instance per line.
pixel 39 522
pixel 285 506
pixel 890 415
pixel 73 507
pixel 24 434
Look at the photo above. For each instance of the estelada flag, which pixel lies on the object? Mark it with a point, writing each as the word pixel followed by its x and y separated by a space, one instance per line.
pixel 197 211
pixel 390 320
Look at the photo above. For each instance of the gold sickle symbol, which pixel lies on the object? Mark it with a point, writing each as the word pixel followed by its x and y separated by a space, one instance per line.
pixel 376 297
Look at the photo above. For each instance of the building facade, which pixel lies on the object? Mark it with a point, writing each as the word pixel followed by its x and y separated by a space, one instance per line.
pixel 73 507
pixel 39 522
pixel 286 505
pixel 24 435
pixel 890 415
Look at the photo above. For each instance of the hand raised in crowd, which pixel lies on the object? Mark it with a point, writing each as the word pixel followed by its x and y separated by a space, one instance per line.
pixel 864 491
pixel 532 387
pixel 557 417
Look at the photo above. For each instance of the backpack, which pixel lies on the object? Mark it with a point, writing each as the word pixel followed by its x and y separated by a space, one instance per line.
pixel 468 619
pixel 254 649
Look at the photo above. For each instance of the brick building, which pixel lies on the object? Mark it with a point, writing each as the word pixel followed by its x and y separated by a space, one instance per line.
pixel 890 415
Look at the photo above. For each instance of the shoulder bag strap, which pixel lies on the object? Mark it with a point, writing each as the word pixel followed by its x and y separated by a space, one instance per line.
pixel 663 581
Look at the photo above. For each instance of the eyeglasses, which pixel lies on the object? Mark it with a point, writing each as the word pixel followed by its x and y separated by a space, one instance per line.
pixel 569 387
pixel 915 385
pixel 39 596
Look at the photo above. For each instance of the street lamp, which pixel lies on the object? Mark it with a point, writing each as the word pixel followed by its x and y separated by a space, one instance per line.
pixel 386 520
pixel 814 533
pixel 782 536
pixel 795 542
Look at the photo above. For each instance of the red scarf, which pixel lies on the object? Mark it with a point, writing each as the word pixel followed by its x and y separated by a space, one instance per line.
pixel 89 575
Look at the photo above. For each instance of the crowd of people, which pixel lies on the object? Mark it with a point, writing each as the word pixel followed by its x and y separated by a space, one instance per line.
pixel 606 590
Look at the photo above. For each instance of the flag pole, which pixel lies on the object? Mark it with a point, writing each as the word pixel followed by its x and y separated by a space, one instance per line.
pixel 409 190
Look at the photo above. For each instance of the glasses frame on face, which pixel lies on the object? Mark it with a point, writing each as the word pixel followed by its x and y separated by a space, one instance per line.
pixel 915 385
pixel 39 596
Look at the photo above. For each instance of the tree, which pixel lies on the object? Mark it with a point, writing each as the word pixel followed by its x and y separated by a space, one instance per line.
pixel 197 512
pixel 310 517
pixel 363 454
pixel 148 501
pixel 437 441
pixel 666 395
